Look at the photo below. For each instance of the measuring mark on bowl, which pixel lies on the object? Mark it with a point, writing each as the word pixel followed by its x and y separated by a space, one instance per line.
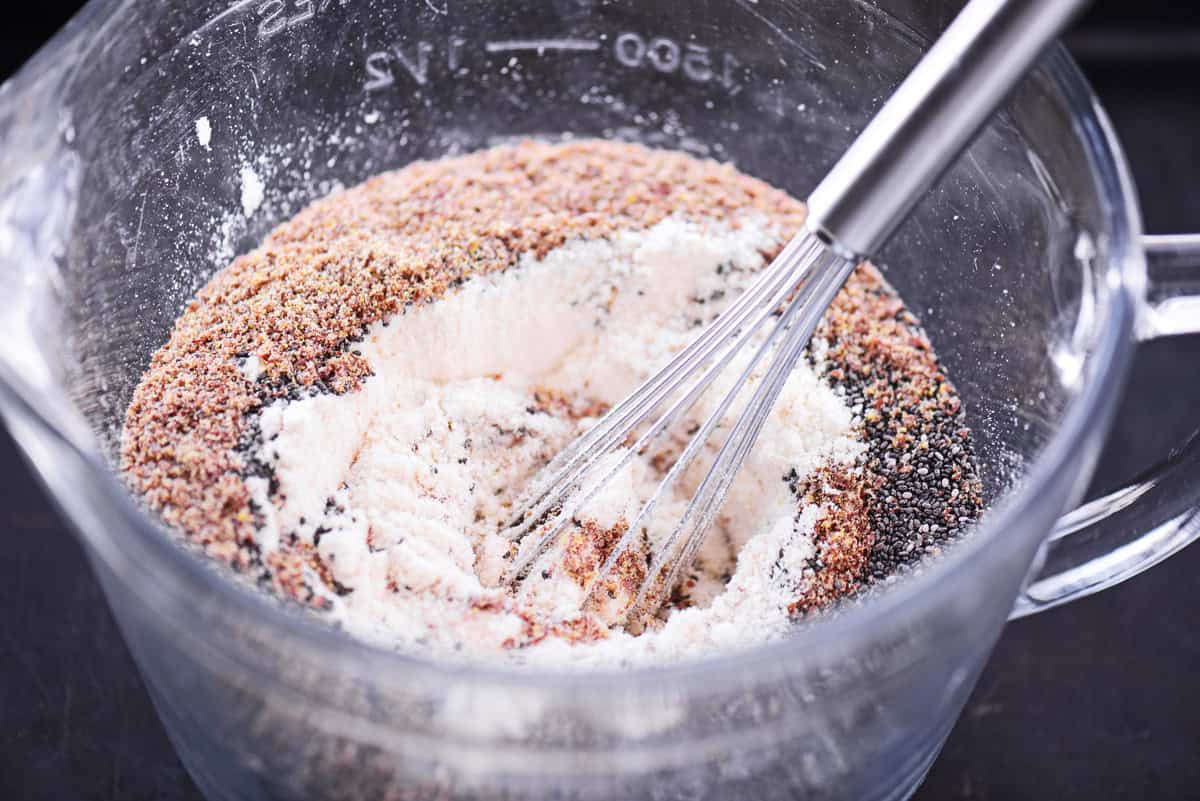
pixel 541 46
pixel 277 16
pixel 664 55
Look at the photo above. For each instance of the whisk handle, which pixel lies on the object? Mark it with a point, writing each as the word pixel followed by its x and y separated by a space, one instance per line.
pixel 932 117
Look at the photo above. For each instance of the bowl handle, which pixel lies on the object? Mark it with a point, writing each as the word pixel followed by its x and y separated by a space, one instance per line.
pixel 1115 537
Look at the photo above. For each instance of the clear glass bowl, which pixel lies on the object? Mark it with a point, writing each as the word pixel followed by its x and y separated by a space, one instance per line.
pixel 129 152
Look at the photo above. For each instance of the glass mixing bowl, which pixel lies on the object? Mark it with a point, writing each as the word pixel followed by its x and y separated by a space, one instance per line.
pixel 133 150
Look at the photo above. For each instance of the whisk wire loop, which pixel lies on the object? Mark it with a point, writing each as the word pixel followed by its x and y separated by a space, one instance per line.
pixel 824 277
pixel 808 273
pixel 769 292
pixel 613 428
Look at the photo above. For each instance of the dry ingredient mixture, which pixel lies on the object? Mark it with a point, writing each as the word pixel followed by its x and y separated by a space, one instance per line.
pixel 349 414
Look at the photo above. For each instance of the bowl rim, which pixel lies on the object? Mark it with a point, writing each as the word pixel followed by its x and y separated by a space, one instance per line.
pixel 1085 422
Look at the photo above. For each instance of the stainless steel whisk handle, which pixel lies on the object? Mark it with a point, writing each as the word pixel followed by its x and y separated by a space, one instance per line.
pixel 928 122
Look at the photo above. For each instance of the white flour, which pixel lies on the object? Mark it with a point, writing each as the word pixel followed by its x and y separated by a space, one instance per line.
pixel 204 132
pixel 253 191
pixel 404 486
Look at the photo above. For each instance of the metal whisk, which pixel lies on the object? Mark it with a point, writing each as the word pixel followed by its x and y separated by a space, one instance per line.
pixel 914 138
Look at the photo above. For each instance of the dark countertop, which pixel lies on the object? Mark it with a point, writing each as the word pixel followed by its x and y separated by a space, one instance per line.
pixel 1093 700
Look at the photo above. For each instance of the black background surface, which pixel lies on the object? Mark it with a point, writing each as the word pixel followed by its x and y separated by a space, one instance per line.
pixel 1096 700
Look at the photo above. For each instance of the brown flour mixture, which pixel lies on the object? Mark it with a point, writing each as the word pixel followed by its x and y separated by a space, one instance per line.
pixel 291 320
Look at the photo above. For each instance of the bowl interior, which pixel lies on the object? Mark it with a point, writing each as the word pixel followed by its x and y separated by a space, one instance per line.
pixel 178 120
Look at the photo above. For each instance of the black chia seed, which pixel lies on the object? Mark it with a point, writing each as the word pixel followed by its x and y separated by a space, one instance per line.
pixel 918 444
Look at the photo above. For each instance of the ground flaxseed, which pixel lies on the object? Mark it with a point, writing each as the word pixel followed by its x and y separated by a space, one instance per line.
pixel 284 321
